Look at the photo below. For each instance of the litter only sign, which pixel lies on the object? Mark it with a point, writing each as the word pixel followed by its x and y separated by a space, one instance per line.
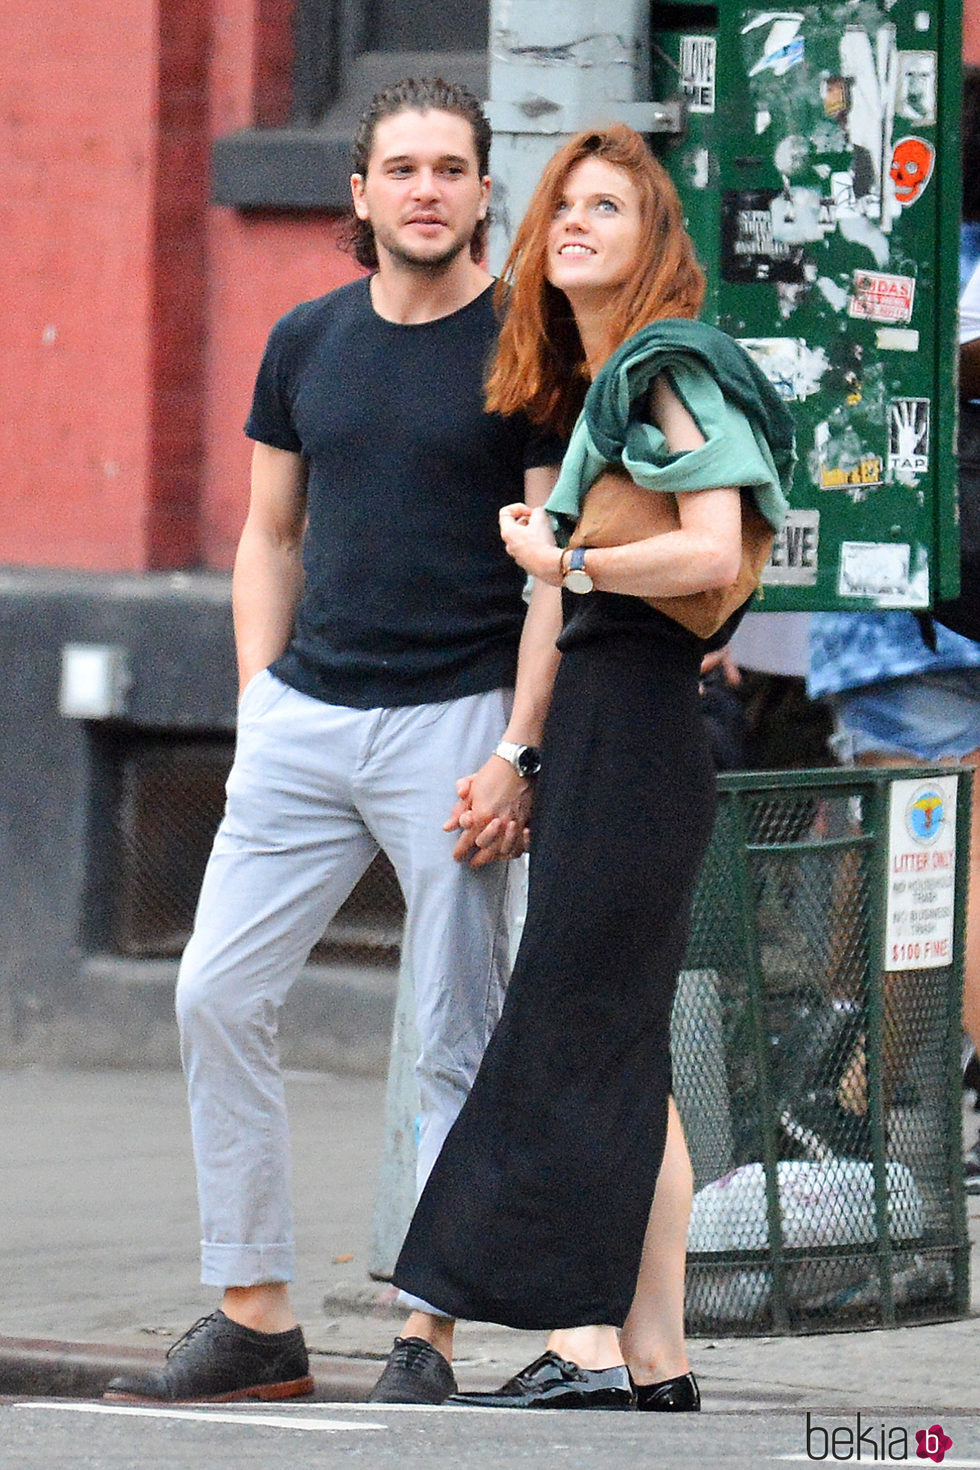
pixel 921 874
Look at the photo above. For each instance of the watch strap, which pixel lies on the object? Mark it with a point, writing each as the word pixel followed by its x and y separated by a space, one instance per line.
pixel 511 751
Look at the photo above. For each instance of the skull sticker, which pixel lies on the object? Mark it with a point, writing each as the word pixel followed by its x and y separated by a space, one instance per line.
pixel 911 168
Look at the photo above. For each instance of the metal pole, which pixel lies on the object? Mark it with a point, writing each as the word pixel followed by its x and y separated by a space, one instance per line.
pixel 395 1199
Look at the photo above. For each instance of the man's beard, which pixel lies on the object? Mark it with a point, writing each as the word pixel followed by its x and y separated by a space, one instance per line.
pixel 425 265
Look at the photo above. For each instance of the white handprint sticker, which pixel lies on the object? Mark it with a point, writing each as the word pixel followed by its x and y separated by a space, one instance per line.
pixel 908 439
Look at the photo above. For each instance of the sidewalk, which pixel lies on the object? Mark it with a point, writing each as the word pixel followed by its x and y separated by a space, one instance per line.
pixel 98 1260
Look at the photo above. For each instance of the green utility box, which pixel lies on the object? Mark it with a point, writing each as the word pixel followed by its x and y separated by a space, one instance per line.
pixel 820 173
pixel 816 1047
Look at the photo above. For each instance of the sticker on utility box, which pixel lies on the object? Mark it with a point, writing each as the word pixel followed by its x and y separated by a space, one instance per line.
pixel 878 297
pixel 793 559
pixel 878 569
pixel 897 339
pixel 916 92
pixel 908 440
pixel 857 475
pixel 793 368
pixel 698 56
pixel 913 160
pixel 750 251
pixel 921 873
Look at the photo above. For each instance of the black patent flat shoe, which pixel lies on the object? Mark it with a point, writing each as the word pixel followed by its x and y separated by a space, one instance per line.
pixel 672 1396
pixel 551 1382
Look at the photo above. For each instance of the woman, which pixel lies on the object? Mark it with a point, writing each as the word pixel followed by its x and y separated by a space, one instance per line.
pixel 537 1208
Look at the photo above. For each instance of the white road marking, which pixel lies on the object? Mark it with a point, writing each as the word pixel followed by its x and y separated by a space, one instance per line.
pixel 456 1409
pixel 282 1420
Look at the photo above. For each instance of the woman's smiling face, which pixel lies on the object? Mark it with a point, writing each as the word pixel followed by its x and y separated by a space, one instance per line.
pixel 594 239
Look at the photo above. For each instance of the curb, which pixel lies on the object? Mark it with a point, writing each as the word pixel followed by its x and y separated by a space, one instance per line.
pixel 38 1368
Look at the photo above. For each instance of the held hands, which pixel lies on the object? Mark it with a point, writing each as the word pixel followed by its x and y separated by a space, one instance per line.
pixel 721 658
pixel 491 814
pixel 494 804
pixel 529 539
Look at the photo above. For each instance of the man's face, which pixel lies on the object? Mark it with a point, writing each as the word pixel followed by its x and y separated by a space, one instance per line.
pixel 422 193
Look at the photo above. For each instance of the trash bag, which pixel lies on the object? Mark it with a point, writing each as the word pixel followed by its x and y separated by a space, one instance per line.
pixel 830 1203
pixel 820 1205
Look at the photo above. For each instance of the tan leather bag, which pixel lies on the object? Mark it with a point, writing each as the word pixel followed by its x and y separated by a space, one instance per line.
pixel 616 511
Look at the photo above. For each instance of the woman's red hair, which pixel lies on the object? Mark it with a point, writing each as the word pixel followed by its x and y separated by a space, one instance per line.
pixel 540 363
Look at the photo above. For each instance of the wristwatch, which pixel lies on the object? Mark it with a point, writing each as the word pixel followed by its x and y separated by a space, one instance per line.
pixel 576 578
pixel 526 759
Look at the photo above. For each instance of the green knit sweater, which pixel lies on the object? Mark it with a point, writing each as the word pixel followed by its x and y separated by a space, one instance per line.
pixel 747 429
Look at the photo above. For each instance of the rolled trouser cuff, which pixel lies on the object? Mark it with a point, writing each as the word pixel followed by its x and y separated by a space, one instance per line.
pixel 247 1265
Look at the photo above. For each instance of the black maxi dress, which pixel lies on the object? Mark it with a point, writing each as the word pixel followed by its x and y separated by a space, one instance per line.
pixel 535 1211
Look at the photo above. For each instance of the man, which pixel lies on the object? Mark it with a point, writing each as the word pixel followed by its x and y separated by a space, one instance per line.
pixel 377 620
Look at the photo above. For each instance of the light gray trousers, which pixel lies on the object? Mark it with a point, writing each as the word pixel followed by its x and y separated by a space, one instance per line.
pixel 314 791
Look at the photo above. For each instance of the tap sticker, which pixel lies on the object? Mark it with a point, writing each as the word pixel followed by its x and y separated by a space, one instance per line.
pixel 881 298
pixel 911 168
pixel 916 97
pixel 793 368
pixel 908 439
pixel 750 251
pixel 697 67
pixel 793 559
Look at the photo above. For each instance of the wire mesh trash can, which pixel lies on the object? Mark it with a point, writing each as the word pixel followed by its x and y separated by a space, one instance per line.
pixel 816 1045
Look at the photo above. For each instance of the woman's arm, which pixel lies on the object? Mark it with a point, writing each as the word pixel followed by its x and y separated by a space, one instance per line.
pixel 703 553
pixel 494 803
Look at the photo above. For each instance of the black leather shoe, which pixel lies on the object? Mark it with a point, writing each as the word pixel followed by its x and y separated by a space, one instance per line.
pixel 672 1396
pixel 415 1373
pixel 217 1361
pixel 551 1382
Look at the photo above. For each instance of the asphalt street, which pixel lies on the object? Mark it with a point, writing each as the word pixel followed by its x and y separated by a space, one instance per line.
pixel 55 1433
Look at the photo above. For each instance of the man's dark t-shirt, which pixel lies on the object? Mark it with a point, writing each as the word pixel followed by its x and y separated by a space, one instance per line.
pixel 410 597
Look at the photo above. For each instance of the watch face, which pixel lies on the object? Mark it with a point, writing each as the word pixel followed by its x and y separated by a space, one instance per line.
pixel 577 580
pixel 528 761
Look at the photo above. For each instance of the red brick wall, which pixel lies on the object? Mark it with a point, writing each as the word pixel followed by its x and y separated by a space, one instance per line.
pixel 179 270
pixel 77 124
pixel 971 31
pixel 134 312
pixel 260 264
